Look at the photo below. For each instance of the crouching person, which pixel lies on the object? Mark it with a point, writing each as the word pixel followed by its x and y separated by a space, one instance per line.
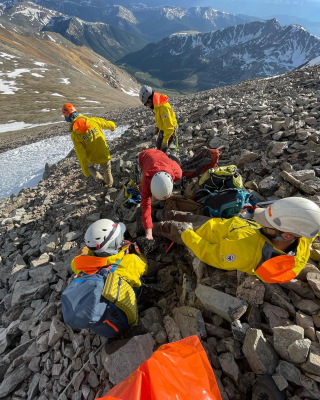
pixel 90 144
pixel 275 247
pixel 102 297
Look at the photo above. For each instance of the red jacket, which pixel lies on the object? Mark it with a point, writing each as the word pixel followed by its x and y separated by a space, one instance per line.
pixel 151 162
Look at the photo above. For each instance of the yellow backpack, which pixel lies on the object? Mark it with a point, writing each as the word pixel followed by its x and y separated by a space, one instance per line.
pixel 220 178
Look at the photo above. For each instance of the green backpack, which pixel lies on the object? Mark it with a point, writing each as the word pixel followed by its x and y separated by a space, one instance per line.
pixel 221 178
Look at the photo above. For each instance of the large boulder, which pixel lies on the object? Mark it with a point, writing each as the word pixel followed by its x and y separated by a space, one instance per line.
pixel 228 307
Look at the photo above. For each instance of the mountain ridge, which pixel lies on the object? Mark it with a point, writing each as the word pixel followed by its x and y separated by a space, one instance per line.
pixel 206 60
pixel 150 23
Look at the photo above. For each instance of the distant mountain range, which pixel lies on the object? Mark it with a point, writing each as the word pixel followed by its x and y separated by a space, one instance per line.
pixel 110 42
pixel 207 60
pixel 151 23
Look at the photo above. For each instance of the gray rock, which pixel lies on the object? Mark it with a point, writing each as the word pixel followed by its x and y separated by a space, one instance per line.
pixel 277 149
pixel 34 387
pixel 123 357
pixel 149 317
pixel 172 329
pixel 304 175
pixel 71 236
pixel 280 381
pixel 218 142
pixel 41 261
pixel 190 322
pixel 230 367
pixel 228 307
pixel 283 336
pixel 314 282
pixel 311 121
pixel 25 292
pixel 301 288
pixel 265 128
pixel 251 290
pixel 239 330
pixel 17 351
pixel 247 157
pixel 57 330
pixel 276 316
pixel 306 322
pixel 299 350
pixel 289 372
pixel 13 379
pixel 7 334
pixel 42 274
pixel 268 186
pixel 312 365
pixel 260 355
pixel 311 389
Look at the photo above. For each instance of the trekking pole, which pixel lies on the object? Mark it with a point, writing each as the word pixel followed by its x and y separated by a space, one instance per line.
pixel 265 203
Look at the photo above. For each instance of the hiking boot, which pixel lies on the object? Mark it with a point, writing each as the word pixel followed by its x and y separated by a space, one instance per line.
pixel 266 389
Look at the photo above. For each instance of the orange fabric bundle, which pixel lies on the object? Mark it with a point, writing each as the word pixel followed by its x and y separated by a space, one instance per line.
pixel 179 371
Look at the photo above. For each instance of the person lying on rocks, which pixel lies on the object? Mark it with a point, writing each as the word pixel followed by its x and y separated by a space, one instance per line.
pixel 166 122
pixel 159 173
pixel 104 239
pixel 275 247
pixel 90 144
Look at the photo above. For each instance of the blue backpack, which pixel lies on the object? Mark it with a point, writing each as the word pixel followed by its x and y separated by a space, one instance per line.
pixel 84 307
pixel 226 203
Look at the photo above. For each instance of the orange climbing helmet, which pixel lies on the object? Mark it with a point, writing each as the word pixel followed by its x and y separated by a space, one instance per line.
pixel 68 109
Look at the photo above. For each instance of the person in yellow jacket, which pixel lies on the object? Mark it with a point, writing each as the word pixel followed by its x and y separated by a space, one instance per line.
pixel 166 122
pixel 90 144
pixel 105 246
pixel 275 247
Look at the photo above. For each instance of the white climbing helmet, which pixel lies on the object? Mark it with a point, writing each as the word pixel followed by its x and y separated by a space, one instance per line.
pixel 293 215
pixel 145 93
pixel 161 185
pixel 104 236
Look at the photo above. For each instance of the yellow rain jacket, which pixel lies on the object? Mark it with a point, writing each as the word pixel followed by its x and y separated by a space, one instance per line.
pixel 89 141
pixel 238 244
pixel 131 267
pixel 164 115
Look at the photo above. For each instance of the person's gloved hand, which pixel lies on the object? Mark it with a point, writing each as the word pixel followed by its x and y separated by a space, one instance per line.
pixel 156 130
pixel 183 226
pixel 144 244
pixel 83 251
pixel 164 145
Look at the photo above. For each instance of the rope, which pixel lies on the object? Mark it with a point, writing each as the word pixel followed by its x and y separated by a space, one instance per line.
pixel 69 384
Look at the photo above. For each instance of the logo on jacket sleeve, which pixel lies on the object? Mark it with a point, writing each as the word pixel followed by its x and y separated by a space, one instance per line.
pixel 230 258
pixel 165 116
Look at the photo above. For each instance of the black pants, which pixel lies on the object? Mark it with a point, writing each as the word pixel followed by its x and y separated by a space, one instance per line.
pixel 160 140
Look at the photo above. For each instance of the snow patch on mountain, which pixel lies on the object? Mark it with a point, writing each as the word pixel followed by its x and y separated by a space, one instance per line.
pixel 27 163
pixel 311 63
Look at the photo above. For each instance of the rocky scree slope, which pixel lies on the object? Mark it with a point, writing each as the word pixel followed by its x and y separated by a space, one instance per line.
pixel 271 129
pixel 206 60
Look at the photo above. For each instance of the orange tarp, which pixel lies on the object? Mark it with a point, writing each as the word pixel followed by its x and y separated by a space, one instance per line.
pixel 179 371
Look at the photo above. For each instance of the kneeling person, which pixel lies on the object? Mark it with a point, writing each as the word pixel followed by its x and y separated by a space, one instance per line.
pixel 159 175
pixel 102 296
pixel 275 247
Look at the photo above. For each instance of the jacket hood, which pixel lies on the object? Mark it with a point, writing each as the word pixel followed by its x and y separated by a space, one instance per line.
pixel 159 99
